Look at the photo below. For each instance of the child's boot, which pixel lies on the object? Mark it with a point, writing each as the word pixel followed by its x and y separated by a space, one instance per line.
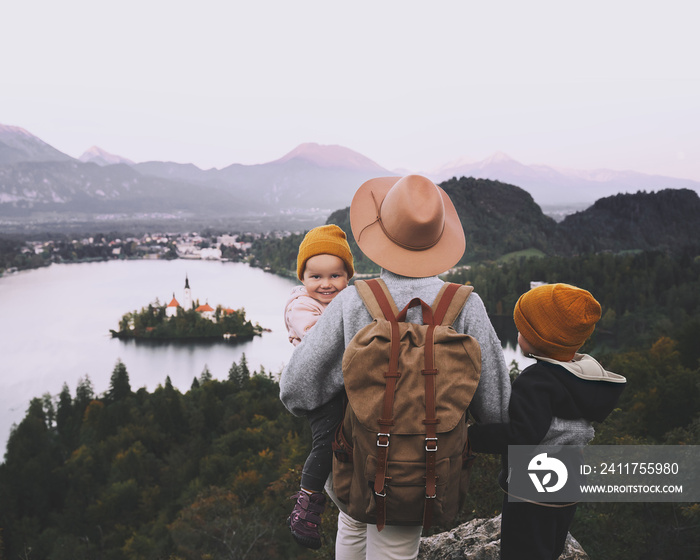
pixel 305 518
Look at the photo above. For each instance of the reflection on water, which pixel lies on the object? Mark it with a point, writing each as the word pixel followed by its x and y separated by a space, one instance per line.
pixel 194 343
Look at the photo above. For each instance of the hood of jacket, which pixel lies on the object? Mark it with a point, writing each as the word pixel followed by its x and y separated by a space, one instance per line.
pixel 586 367
pixel 594 389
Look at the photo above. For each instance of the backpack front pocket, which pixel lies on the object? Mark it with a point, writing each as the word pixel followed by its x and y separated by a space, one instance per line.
pixel 405 490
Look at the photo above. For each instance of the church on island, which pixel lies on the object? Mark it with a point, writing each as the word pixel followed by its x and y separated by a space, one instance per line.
pixel 186 321
pixel 206 310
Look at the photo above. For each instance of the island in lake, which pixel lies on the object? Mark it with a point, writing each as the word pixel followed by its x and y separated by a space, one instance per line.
pixel 189 321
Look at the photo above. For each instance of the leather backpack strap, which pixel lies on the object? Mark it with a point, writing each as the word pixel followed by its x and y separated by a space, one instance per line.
pixel 368 299
pixel 377 298
pixel 431 421
pixel 449 302
pixel 391 376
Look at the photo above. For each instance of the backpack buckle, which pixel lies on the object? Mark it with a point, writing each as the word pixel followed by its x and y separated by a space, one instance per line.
pixel 379 443
pixel 432 449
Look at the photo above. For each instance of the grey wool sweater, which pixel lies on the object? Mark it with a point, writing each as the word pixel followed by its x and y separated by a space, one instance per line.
pixel 314 374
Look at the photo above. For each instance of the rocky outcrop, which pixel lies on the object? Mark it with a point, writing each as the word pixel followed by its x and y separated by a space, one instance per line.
pixel 480 539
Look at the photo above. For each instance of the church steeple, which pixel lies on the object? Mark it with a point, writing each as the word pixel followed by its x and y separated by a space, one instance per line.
pixel 188 295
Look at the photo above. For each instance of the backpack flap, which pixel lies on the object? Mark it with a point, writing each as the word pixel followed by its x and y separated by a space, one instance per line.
pixel 366 361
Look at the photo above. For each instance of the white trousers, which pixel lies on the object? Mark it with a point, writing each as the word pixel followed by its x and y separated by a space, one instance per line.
pixel 362 541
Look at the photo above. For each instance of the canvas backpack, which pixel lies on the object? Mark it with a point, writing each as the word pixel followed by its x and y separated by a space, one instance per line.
pixel 401 455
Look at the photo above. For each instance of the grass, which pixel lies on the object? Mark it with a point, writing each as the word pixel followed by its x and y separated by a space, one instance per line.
pixel 524 254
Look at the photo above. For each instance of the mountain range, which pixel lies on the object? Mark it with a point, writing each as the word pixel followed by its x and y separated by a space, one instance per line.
pixel 552 186
pixel 38 180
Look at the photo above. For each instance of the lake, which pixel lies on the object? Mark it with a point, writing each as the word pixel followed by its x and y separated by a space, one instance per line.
pixel 55 325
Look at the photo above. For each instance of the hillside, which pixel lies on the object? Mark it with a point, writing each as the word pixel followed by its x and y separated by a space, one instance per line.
pixel 497 219
pixel 666 220
pixel 16 145
pixel 501 219
pixel 27 188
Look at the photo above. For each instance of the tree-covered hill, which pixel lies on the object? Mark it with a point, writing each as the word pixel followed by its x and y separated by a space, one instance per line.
pixel 644 295
pixel 497 219
pixel 139 475
pixel 667 220
pixel 501 219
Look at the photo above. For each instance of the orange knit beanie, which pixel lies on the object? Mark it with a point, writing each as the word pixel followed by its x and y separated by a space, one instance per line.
pixel 556 319
pixel 325 240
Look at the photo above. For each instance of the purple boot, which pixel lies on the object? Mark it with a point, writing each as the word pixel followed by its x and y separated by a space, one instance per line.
pixel 306 518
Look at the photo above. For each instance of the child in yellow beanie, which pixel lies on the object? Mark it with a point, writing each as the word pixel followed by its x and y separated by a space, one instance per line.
pixel 553 321
pixel 324 266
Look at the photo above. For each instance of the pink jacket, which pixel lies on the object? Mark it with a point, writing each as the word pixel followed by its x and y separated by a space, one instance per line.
pixel 301 313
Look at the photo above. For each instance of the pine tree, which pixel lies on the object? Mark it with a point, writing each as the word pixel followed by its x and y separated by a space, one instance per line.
pixel 119 387
pixel 239 374
pixel 206 375
pixel 245 372
pixel 65 425
pixel 84 394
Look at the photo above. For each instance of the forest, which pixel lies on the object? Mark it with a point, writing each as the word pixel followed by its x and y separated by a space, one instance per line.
pixel 208 473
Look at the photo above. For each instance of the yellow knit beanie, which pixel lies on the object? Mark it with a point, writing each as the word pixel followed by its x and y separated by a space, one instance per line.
pixel 556 319
pixel 325 240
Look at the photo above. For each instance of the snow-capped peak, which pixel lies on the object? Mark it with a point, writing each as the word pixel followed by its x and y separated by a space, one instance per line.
pixel 99 156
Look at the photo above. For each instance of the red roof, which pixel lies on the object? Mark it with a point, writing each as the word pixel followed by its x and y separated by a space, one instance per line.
pixel 203 308
pixel 174 303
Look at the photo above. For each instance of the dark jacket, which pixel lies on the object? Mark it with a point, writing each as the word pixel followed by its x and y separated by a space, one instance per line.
pixel 580 389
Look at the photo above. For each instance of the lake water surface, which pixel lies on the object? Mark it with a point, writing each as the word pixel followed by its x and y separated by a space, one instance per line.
pixel 55 323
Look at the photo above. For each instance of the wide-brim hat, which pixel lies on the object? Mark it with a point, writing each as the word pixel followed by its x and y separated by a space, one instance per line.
pixel 407 225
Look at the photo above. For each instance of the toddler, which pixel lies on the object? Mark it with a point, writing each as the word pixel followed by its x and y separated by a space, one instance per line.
pixel 324 266
pixel 553 322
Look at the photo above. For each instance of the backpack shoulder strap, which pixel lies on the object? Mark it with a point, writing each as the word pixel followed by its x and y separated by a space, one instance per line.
pixel 380 304
pixel 377 298
pixel 449 302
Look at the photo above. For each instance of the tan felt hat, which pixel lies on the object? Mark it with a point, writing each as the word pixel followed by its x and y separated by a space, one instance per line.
pixel 407 225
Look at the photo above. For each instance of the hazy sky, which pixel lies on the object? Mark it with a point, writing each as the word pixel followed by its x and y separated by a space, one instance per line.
pixel 408 84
